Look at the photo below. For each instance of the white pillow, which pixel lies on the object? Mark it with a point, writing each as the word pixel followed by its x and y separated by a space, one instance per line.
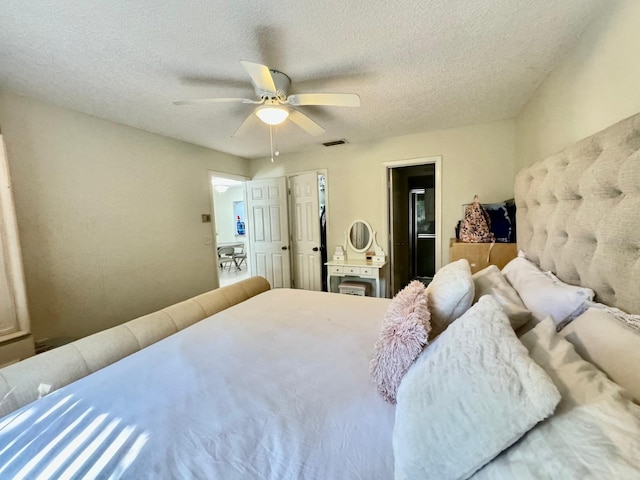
pixel 490 281
pixel 544 294
pixel 595 432
pixel 472 393
pixel 612 346
pixel 449 295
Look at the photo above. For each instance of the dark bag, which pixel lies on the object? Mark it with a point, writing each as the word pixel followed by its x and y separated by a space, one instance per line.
pixel 476 224
pixel 501 225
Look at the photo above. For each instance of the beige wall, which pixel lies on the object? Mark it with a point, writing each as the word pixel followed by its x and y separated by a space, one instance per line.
pixel 596 85
pixel 109 216
pixel 475 160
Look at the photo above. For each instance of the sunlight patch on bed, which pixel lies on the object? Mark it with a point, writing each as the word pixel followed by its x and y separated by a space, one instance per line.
pixel 75 442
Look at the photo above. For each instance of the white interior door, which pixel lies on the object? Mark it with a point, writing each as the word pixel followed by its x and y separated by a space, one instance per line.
pixel 269 230
pixel 305 242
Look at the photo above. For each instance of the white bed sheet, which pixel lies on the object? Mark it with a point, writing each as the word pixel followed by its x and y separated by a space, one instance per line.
pixel 276 387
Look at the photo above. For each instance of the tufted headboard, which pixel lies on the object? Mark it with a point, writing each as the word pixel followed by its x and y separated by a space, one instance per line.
pixel 579 214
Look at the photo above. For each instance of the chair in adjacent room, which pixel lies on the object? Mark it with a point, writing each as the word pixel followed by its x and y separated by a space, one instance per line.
pixel 239 256
pixel 225 257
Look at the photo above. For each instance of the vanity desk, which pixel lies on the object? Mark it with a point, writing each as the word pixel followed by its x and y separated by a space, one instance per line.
pixel 363 259
pixel 364 269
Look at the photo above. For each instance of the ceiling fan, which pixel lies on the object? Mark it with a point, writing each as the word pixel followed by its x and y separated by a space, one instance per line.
pixel 274 102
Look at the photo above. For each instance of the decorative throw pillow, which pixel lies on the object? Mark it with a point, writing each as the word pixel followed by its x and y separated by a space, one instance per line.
pixel 594 433
pixel 490 281
pixel 449 294
pixel 404 334
pixel 473 392
pixel 544 294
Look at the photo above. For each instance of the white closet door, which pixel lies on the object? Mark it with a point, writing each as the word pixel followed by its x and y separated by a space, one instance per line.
pixel 305 244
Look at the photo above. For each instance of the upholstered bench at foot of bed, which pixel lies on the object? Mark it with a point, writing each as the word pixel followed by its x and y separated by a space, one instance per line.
pixel 19 382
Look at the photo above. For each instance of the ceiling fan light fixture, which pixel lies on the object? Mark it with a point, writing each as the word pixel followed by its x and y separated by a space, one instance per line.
pixel 272 115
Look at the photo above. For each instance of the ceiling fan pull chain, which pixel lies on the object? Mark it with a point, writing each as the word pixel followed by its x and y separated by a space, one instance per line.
pixel 271 140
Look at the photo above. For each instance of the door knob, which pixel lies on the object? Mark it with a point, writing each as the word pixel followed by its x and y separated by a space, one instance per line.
pixel 315 249
pixel 284 248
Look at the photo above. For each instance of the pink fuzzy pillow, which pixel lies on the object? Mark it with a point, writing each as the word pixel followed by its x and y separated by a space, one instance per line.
pixel 404 334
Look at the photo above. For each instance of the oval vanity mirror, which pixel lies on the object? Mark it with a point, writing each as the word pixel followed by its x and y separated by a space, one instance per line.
pixel 360 236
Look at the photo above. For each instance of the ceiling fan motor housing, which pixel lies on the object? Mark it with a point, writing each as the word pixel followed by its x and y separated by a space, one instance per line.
pixel 282 83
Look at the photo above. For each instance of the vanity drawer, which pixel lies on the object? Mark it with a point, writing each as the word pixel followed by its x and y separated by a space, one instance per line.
pixel 352 270
pixel 366 271
pixel 334 269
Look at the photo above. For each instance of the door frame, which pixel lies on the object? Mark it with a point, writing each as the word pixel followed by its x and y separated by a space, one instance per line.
pixel 214 243
pixel 13 263
pixel 388 167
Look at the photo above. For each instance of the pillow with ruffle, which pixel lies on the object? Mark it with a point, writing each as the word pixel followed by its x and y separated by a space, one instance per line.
pixel 612 345
pixel 404 334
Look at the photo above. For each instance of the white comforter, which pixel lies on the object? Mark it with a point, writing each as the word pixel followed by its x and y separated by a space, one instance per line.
pixel 276 387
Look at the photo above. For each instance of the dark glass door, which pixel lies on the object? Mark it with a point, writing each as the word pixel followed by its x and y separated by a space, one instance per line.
pixel 422 232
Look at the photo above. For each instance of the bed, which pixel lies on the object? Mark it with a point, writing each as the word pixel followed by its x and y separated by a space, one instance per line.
pixel 278 386
pixel 252 392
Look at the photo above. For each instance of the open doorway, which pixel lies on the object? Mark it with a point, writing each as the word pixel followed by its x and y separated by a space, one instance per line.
pixel 230 228
pixel 278 225
pixel 414 221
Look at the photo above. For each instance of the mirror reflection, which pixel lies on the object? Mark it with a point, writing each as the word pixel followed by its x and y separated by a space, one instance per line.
pixel 359 236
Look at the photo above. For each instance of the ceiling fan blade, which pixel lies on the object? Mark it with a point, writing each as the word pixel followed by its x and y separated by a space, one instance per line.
pixel 260 77
pixel 244 125
pixel 305 123
pixel 329 99
pixel 197 101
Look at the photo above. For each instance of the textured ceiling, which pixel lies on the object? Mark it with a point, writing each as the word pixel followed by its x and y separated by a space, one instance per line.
pixel 416 64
